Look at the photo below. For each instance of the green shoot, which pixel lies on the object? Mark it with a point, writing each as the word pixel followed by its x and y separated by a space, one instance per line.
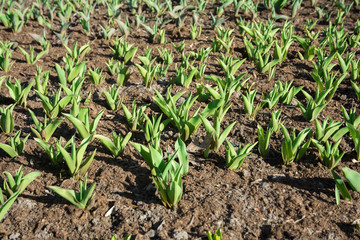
pixel 44 130
pixel 292 148
pixel 83 199
pixel 136 117
pixel 6 119
pixel 117 145
pixel 234 159
pixel 76 164
pixel 82 124
pixel 17 92
pixel 264 141
pixel 18 183
pixel 16 146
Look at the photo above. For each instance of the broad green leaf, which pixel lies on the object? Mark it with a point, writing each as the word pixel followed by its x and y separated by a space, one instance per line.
pixel 4 208
pixel 9 150
pixel 84 133
pixel 341 186
pixel 68 194
pixel 352 177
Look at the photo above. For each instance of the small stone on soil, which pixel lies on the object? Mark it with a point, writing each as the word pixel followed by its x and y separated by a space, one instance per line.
pixel 181 235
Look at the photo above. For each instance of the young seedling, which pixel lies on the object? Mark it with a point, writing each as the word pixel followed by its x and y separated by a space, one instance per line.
pixel 153 128
pixel 122 74
pixel 166 175
pixel 328 81
pixel 85 22
pixel 329 154
pixel 179 48
pixel 272 98
pixel 182 78
pixel 279 4
pixel 215 137
pixel 136 117
pixel 148 72
pixel 185 61
pixel 314 106
pixel 281 50
pixel 113 98
pixel 44 130
pixel 224 38
pixel 288 92
pixel 356 89
pixel 17 92
pixel 352 178
pixel 155 160
pixel 234 159
pixel 202 93
pixel 5 205
pixel 350 117
pixel 95 76
pixel 167 59
pixel 169 185
pixel 116 145
pixel 13 187
pixel 179 115
pixel 250 107
pixel 18 183
pixel 74 161
pixel 41 80
pixel 263 64
pixel 224 88
pixel 54 153
pixel 345 64
pixel 16 146
pixel 72 73
pixel 326 130
pixel 41 39
pixel 112 66
pixel 295 7
pixel 202 54
pixel 355 70
pixel 309 49
pixel 82 124
pixel 5 60
pixel 6 119
pixel 123 50
pixel 107 32
pixel 264 141
pixel 292 147
pixel 335 38
pixel 275 121
pixel 53 107
pixel 215 236
pixel 195 31
pixel 30 57
pixel 76 54
pixel 83 199
pixel 355 135
pixel 2 79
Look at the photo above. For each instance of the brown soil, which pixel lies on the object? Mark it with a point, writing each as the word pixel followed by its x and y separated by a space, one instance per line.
pixel 263 199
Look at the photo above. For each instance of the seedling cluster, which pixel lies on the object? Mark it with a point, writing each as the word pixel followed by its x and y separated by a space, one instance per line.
pixel 204 93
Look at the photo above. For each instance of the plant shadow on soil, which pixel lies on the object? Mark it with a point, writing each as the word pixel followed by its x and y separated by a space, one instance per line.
pixel 316 186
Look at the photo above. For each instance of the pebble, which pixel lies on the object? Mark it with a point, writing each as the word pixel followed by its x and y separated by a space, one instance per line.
pixel 246 173
pixel 234 222
pixel 95 220
pixel 150 233
pixel 181 235
pixel 26 203
pixel 14 236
